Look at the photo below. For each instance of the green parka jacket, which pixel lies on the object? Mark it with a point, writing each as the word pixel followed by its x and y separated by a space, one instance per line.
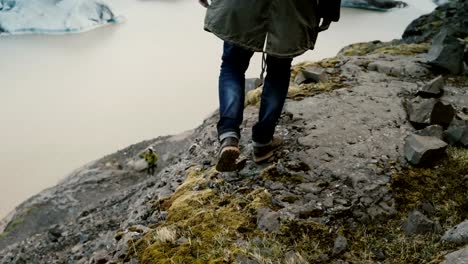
pixel 290 27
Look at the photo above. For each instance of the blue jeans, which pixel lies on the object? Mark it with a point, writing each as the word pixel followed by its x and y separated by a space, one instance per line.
pixel 235 62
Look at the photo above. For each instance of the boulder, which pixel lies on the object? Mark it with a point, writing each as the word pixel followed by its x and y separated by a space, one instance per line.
pixel 457 257
pixel 442 114
pixel 423 151
pixel 418 224
pixel 432 131
pixel 458 234
pixel 457 135
pixel 432 89
pixel 425 112
pixel 446 53
pixel 451 14
pixel 419 111
pixel 311 74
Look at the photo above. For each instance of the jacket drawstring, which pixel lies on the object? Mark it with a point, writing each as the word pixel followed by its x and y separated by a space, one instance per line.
pixel 264 56
pixel 262 74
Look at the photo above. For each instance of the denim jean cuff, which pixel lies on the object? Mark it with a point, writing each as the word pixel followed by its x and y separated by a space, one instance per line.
pixel 228 134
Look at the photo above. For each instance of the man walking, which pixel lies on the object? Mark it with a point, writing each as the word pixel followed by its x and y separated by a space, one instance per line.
pixel 283 29
pixel 151 158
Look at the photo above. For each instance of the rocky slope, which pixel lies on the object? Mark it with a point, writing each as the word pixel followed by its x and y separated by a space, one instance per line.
pixel 339 191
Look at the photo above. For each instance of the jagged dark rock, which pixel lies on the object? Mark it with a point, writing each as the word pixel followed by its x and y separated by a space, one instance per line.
pixel 425 112
pixel 457 135
pixel 418 224
pixel 447 53
pixel 442 114
pixel 432 89
pixel 450 15
pixel 424 151
pixel 311 74
pixel 419 111
pixel 432 131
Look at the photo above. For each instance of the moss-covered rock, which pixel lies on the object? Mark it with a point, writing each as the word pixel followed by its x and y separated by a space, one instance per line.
pixel 390 48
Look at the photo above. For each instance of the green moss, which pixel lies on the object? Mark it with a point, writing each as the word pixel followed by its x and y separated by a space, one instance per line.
pixel 403 49
pixel 210 221
pixel 13 225
pixel 391 48
pixel 272 173
pixel 437 24
pixel 443 186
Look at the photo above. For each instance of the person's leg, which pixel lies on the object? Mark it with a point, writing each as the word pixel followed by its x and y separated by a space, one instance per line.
pixel 235 62
pixel 231 104
pixel 275 91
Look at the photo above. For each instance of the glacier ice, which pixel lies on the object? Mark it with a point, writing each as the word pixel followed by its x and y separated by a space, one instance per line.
pixel 53 16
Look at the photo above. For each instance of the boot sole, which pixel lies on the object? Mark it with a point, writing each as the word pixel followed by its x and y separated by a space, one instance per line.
pixel 263 158
pixel 268 155
pixel 227 159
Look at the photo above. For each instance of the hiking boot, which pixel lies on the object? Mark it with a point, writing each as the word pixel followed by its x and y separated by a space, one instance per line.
pixel 228 154
pixel 261 154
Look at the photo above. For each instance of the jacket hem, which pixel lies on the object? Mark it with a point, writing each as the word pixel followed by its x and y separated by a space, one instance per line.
pixel 256 49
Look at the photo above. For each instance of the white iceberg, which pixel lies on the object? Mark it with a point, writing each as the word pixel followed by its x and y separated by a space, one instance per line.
pixel 53 16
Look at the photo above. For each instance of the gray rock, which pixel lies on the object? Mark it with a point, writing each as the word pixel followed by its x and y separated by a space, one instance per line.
pixel 458 234
pixel 340 245
pixel 419 111
pixel 311 74
pixel 457 257
pixel 432 131
pixel 432 89
pixel 457 135
pixel 446 53
pixel 418 224
pixel 268 220
pixel 252 84
pixel 421 150
pixel 442 114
